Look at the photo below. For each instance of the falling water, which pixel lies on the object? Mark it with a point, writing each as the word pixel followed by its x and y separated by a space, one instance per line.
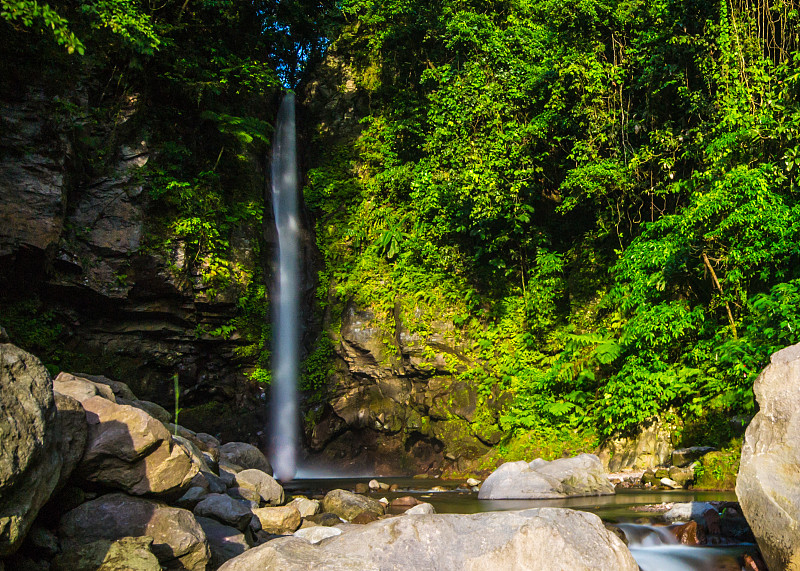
pixel 284 433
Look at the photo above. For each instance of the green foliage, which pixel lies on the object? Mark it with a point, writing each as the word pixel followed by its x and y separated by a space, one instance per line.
pixel 30 12
pixel 599 196
pixel 718 470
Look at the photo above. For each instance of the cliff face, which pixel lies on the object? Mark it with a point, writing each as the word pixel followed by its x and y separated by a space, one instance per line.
pixel 77 243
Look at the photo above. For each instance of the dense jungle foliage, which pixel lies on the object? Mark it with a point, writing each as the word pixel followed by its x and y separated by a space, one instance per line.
pixel 599 194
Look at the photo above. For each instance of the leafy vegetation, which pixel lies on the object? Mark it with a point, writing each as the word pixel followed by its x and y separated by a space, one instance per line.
pixel 599 195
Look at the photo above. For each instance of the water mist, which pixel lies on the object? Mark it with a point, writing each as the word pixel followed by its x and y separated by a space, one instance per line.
pixel 284 439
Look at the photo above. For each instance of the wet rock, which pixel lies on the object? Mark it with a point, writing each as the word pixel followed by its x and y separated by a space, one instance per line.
pixel 690 533
pixel 404 501
pixel 270 491
pixel 767 485
pixel 126 554
pixel 225 509
pixel 582 475
pixel 178 540
pixel 245 455
pixel 348 505
pixel 31 459
pixel 278 520
pixel 688 511
pixel 225 542
pixel 536 539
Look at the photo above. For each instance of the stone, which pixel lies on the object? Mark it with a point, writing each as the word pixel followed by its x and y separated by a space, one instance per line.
pixel 404 501
pixel 682 457
pixel 178 540
pixel 4 338
pixel 266 486
pixel 155 410
pixel 72 430
pixel 767 484
pixel 361 488
pixel 364 517
pixel 245 455
pixel 227 473
pixel 225 509
pixel 683 476
pixel 650 448
pixel 192 497
pixel 246 494
pixel 210 482
pixel 121 390
pixel 225 542
pixel 317 533
pixel 472 482
pixel 582 475
pixel 31 460
pixel 81 388
pixel 536 539
pixel 348 505
pixel 670 483
pixel 689 533
pixel 421 509
pixel 278 520
pixel 326 519
pixel 130 450
pixel 687 511
pixel 305 506
pixel 42 541
pixel 126 554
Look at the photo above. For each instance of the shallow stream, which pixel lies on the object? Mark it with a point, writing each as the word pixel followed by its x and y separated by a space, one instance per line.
pixel 652 545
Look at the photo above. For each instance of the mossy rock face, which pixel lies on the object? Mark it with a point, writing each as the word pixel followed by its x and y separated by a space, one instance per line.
pixel 717 470
pixel 458 439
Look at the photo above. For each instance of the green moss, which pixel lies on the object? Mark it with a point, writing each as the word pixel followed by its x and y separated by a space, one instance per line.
pixel 718 470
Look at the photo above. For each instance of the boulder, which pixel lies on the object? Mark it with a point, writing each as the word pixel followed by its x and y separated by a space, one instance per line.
pixel 72 430
pixel 305 506
pixel 224 541
pixel 130 450
pixel 687 511
pixel 30 462
pixel 348 505
pixel 178 540
pixel 685 456
pixel 244 455
pixel 650 448
pixel 767 485
pixel 155 410
pixel 536 539
pixel 325 519
pixel 81 388
pixel 317 533
pixel 278 520
pixel 192 497
pixel 421 509
pixel 126 554
pixel 120 389
pixel 268 488
pixel 683 476
pixel 225 509
pixel 582 475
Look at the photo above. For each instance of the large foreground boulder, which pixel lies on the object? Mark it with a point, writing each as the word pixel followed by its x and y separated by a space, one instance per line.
pixel 582 475
pixel 30 455
pixel 178 540
pixel 537 539
pixel 767 485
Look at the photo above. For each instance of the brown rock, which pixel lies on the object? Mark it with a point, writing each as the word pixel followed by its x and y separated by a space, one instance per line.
pixel 364 517
pixel 178 540
pixel 405 501
pixel 278 520
pixel 690 533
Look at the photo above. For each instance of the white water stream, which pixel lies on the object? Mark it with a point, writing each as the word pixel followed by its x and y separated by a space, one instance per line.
pixel 284 415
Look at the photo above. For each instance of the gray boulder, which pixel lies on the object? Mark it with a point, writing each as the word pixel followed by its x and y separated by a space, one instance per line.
pixel 270 491
pixel 225 509
pixel 30 462
pixel 224 541
pixel 244 455
pixel 537 539
pixel 582 475
pixel 348 505
pixel 178 540
pixel 317 533
pixel 767 485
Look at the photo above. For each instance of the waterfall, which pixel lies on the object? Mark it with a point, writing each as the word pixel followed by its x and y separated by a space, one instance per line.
pixel 284 415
